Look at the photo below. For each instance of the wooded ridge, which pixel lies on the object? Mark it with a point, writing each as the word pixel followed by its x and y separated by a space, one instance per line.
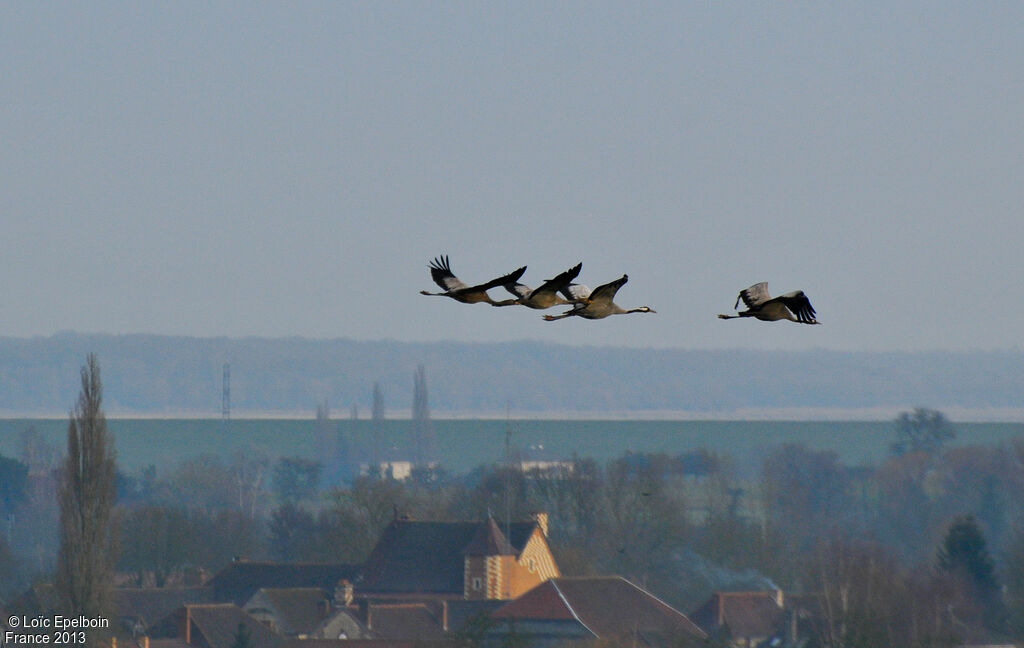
pixel 154 374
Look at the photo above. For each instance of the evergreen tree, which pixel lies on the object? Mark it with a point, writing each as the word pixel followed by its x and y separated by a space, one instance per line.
pixel 964 554
pixel 964 551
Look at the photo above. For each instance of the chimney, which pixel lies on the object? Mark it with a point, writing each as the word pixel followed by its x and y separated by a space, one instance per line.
pixel 186 631
pixel 344 592
pixel 541 518
pixel 195 577
pixel 780 599
pixel 365 613
pixel 444 615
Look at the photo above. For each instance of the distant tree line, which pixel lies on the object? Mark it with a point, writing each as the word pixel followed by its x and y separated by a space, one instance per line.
pixel 151 373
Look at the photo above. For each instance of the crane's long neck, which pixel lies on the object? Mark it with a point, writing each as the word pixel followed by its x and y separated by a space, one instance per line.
pixel 504 302
pixel 552 318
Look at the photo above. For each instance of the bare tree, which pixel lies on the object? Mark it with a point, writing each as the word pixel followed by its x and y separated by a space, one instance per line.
pixel 248 469
pixel 865 597
pixel 85 560
pixel 924 430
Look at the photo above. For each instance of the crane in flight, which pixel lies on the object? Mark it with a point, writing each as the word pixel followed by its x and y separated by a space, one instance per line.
pixel 441 272
pixel 546 295
pixel 793 306
pixel 597 303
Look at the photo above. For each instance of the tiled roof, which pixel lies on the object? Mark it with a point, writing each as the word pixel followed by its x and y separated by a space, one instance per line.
pixel 238 581
pixel 37 600
pixel 544 602
pixel 610 607
pixel 461 611
pixel 364 643
pixel 488 541
pixel 745 614
pixel 297 610
pixel 427 557
pixel 146 606
pixel 219 623
pixel 404 621
pixel 343 622
pixel 167 643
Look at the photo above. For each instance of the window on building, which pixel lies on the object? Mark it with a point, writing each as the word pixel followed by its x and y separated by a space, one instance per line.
pixel 478 583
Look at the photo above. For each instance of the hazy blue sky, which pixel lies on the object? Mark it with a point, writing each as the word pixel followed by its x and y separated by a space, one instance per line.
pixel 281 169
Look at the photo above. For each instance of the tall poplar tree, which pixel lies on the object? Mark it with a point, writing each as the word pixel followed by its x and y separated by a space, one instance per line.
pixel 378 427
pixel 85 560
pixel 422 429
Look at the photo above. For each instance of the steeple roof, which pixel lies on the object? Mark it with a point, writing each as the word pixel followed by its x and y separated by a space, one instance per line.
pixel 489 541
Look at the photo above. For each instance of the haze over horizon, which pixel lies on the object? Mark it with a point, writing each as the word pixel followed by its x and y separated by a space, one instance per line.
pixel 290 169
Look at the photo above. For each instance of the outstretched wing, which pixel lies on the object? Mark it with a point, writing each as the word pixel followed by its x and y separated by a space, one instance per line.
pixel 510 278
pixel 519 290
pixel 576 292
pixel 606 292
pixel 754 296
pixel 800 306
pixel 441 272
pixel 561 281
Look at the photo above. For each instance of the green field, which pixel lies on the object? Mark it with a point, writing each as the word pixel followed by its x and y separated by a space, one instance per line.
pixel 464 444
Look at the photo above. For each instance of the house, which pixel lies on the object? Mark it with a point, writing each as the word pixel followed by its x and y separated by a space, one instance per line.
pixel 548 467
pixel 138 608
pixel 38 600
pixel 134 609
pixel 212 625
pixel 362 643
pixel 605 609
pixel 412 620
pixel 744 619
pixel 423 581
pixel 294 612
pixel 467 560
pixel 397 470
pixel 343 623
pixel 237 582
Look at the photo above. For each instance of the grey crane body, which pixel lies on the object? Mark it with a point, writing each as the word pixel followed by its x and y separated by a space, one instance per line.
pixel 598 303
pixel 441 272
pixel 793 306
pixel 547 294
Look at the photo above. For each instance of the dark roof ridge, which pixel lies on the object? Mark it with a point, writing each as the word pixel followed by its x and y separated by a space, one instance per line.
pixel 264 563
pixel 653 596
pixel 568 605
pixel 767 593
